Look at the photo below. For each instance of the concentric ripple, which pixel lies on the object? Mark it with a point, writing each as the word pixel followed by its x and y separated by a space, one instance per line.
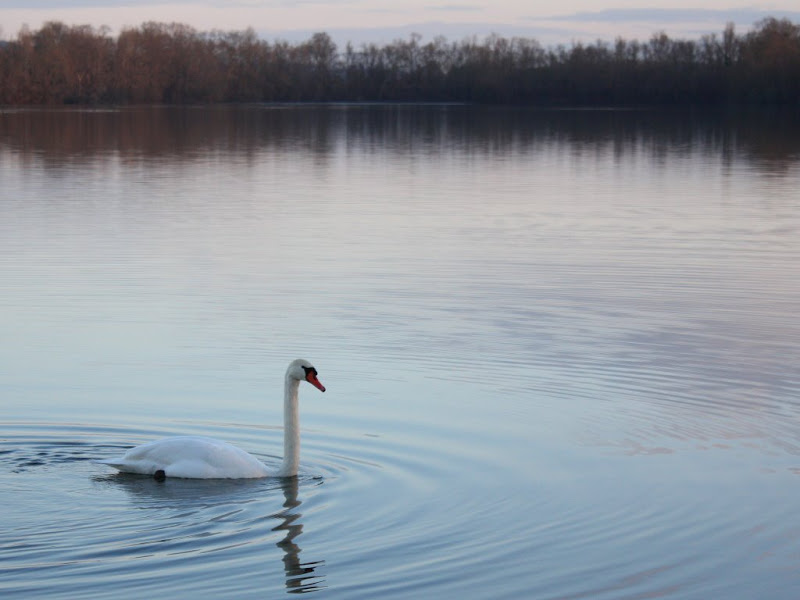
pixel 369 516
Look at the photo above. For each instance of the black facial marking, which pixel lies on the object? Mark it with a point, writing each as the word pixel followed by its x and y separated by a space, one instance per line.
pixel 311 370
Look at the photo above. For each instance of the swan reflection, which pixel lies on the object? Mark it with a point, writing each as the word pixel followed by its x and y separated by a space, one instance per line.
pixel 203 498
pixel 300 577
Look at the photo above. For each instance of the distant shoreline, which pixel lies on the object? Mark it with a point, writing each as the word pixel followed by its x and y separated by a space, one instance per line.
pixel 174 64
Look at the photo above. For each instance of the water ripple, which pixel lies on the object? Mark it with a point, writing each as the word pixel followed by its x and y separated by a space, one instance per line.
pixel 417 513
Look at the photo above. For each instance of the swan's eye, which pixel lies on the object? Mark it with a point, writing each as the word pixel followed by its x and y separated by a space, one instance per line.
pixel 311 377
pixel 310 371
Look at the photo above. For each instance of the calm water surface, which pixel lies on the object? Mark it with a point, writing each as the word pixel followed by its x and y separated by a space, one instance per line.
pixel 561 351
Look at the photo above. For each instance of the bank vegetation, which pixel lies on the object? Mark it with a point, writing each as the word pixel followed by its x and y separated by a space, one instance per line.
pixel 176 64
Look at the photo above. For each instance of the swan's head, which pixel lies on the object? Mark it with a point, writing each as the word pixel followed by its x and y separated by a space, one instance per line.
pixel 302 370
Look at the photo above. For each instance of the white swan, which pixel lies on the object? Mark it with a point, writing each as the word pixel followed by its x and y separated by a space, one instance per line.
pixel 196 457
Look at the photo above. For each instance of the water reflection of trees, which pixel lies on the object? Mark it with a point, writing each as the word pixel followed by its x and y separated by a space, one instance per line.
pixel 770 139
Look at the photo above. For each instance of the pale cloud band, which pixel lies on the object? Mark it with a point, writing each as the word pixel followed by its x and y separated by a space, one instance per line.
pixel 385 20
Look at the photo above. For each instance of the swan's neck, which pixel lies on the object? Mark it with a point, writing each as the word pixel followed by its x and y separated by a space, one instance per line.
pixel 291 429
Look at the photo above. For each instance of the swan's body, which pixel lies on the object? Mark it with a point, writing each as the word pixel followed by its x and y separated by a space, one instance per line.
pixel 198 457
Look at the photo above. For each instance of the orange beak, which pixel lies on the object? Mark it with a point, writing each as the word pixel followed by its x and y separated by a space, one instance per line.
pixel 312 379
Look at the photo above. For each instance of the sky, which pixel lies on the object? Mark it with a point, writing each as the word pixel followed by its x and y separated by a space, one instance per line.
pixel 382 21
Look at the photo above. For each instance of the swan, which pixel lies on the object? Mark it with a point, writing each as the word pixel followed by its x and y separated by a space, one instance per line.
pixel 197 457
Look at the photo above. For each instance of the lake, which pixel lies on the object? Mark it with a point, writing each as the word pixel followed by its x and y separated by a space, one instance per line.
pixel 560 348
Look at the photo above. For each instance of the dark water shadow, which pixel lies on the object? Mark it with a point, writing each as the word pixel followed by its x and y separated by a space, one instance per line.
pixel 57 138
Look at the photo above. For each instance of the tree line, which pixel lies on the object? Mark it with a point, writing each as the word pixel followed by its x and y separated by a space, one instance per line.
pixel 176 64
